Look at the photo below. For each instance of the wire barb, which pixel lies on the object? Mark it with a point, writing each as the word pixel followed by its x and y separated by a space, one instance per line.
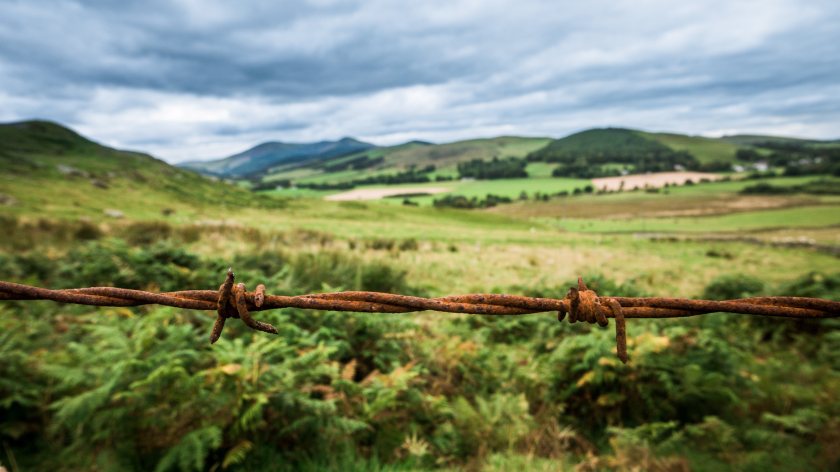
pixel 232 303
pixel 581 304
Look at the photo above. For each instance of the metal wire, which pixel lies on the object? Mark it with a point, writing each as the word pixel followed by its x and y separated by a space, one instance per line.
pixel 581 304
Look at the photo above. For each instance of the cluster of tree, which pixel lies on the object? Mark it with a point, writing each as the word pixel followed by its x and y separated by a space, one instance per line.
pixel 808 160
pixel 814 187
pixel 410 176
pixel 270 185
pixel 581 169
pixel 546 196
pixel 460 201
pixel 797 158
pixel 357 163
pixel 327 185
pixel 509 168
pixel 748 155
pixel 715 166
pixel 592 166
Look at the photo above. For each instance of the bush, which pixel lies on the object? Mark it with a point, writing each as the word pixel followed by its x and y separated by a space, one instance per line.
pixel 814 284
pixel 730 287
pixel 143 233
pixel 88 231
pixel 381 244
pixel 462 202
pixel 510 168
pixel 409 244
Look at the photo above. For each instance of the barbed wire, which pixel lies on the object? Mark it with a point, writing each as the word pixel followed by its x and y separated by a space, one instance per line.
pixel 580 303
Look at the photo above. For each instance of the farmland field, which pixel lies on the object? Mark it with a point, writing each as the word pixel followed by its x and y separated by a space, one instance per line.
pixel 654 180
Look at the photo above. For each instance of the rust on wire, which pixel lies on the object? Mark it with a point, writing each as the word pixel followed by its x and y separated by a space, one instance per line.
pixel 580 304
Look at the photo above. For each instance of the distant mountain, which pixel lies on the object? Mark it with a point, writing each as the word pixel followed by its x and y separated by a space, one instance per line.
pixel 265 156
pixel 48 167
pixel 419 154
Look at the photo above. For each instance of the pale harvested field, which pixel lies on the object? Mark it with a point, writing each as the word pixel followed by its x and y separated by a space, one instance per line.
pixel 655 180
pixel 638 205
pixel 377 193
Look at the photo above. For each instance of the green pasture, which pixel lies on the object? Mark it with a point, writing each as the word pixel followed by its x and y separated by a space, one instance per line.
pixel 539 169
pixel 800 217
pixel 511 188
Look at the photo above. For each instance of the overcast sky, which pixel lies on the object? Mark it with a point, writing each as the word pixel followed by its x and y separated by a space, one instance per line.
pixel 195 79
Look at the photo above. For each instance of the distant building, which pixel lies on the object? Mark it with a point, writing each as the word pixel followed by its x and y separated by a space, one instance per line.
pixel 761 166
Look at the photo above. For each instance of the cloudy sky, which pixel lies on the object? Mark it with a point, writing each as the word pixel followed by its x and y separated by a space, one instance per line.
pixel 195 79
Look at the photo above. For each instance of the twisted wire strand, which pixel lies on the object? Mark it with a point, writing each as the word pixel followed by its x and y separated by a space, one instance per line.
pixel 581 304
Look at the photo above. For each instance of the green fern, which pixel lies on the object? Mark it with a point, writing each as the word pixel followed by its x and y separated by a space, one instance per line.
pixel 192 451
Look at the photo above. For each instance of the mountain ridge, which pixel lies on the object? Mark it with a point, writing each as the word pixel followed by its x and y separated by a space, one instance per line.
pixel 264 156
pixel 278 158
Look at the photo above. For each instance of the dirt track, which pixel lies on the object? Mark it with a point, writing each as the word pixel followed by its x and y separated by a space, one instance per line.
pixel 658 179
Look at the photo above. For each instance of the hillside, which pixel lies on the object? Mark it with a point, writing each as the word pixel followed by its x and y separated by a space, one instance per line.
pixel 47 167
pixel 611 145
pixel 591 153
pixel 619 144
pixel 444 157
pixel 265 156
pixel 706 150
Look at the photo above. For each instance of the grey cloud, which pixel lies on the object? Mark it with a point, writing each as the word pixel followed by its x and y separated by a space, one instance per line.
pixel 298 70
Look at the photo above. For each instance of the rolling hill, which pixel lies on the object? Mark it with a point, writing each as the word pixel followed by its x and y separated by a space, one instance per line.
pixel 337 162
pixel 48 168
pixel 264 156
pixel 616 144
pixel 444 157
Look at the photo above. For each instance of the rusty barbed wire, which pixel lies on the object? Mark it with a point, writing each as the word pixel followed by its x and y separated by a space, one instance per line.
pixel 581 304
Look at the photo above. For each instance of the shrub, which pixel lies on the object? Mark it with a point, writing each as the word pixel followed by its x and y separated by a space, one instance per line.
pixel 381 244
pixel 730 287
pixel 143 233
pixel 814 284
pixel 88 231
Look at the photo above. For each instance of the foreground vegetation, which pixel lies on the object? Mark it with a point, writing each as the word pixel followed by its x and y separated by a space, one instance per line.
pixel 117 388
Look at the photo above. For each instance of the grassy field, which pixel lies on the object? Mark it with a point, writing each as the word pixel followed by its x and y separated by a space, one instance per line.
pixel 799 217
pixel 711 198
pixel 511 188
pixel 470 188
pixel 592 234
